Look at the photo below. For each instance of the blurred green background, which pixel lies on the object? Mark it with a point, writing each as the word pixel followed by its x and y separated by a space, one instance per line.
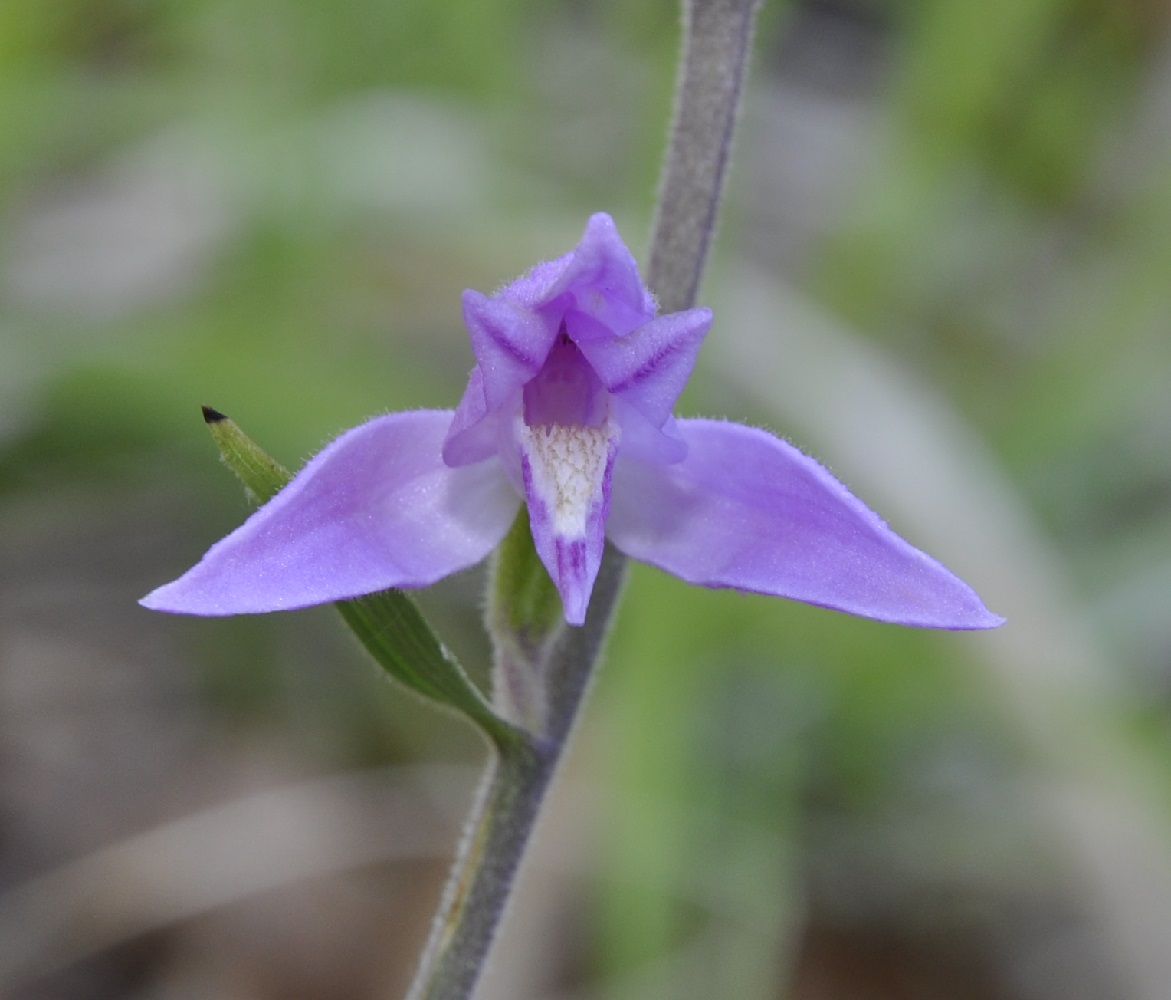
pixel 944 268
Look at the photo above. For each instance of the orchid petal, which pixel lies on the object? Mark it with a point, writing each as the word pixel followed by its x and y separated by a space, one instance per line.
pixel 650 365
pixel 567 474
pixel 377 508
pixel 510 343
pixel 538 285
pixel 749 511
pixel 470 438
pixel 642 440
pixel 602 280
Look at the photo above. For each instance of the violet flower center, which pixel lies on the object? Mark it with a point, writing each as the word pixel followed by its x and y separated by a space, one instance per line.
pixel 567 440
pixel 566 392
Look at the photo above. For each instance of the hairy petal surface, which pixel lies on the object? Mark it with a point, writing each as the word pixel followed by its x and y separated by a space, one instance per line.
pixel 377 508
pixel 470 438
pixel 539 284
pixel 649 366
pixel 510 343
pixel 747 510
pixel 601 280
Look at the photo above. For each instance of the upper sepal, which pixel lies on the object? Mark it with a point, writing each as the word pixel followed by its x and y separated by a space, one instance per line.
pixel 600 280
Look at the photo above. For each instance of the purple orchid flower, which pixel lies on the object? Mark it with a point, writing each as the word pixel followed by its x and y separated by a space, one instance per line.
pixel 568 410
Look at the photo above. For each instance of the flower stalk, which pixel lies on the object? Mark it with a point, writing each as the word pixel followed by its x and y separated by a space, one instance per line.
pixel 481 881
pixel 511 794
pixel 717 45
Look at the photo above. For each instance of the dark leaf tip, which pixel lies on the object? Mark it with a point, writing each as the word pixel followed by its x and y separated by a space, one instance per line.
pixel 212 416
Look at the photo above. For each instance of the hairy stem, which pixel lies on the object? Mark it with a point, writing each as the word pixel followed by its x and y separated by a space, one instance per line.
pixel 508 806
pixel 717 43
pixel 485 869
pixel 716 46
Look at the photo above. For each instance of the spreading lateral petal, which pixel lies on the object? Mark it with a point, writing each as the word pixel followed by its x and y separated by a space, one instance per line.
pixel 649 366
pixel 510 343
pixel 377 508
pixel 747 510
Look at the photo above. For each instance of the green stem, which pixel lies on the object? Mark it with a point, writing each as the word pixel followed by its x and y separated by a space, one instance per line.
pixel 717 44
pixel 507 808
pixel 476 894
pixel 716 47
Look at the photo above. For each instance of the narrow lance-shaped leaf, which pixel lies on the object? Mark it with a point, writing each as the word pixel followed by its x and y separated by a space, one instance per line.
pixel 388 623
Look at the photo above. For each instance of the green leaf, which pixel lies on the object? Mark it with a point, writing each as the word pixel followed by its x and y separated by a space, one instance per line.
pixel 388 623
pixel 524 609
pixel 263 477
pixel 394 631
pixel 524 619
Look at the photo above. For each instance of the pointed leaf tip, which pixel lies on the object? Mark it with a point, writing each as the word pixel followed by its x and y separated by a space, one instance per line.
pixel 263 477
pixel 387 623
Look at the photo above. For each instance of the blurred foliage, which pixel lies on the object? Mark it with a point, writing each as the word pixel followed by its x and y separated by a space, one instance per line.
pixel 271 206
